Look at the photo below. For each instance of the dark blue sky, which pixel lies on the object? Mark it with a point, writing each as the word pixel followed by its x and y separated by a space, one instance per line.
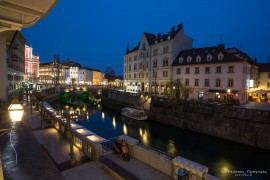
pixel 96 33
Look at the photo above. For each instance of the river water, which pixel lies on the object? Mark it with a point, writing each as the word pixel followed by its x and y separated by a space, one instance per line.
pixel 225 159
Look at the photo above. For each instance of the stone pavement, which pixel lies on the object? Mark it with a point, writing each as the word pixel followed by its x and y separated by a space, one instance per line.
pixel 32 161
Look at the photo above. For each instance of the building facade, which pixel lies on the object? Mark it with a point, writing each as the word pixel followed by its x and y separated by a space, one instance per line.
pixel 216 74
pixel 12 70
pixel 52 73
pixel 97 77
pixel 264 76
pixel 31 66
pixel 147 67
pixel 85 76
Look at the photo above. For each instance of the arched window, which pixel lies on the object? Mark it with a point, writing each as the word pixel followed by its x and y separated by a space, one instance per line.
pixel 220 56
pixel 198 58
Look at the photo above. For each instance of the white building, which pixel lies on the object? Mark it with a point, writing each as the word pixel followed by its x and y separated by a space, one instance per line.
pixel 71 73
pixel 147 67
pixel 86 76
pixel 215 73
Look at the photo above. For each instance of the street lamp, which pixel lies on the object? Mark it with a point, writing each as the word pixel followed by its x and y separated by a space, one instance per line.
pixel 15 111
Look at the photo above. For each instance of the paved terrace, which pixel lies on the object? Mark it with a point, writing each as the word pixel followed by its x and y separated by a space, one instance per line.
pixel 44 154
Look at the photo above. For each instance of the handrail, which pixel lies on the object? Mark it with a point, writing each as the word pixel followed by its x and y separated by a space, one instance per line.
pixel 159 152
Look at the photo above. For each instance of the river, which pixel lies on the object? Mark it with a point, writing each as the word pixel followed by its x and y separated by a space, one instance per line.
pixel 225 159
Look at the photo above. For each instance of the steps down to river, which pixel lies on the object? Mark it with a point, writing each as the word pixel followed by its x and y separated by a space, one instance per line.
pixel 133 169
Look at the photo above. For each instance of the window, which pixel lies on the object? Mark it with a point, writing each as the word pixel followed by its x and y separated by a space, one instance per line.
pixel 129 76
pixel 135 57
pixel 187 82
pixel 135 66
pixel 230 69
pixel 178 71
pixel 135 75
pixel 218 69
pixel 220 56
pixel 140 66
pixel 129 67
pixel 197 70
pixel 206 82
pixel 268 75
pixel 165 61
pixel 129 59
pixel 196 82
pixel 218 82
pixel 189 58
pixel 207 70
pixel 198 58
pixel 187 70
pixel 147 65
pixel 165 49
pixel 155 63
pixel 155 52
pixel 143 46
pixel 146 75
pixel 181 59
pixel 154 73
pixel 230 82
pixel 165 73
pixel 268 84
pixel 209 57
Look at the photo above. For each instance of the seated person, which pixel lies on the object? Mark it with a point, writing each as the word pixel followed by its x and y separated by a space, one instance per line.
pixel 120 147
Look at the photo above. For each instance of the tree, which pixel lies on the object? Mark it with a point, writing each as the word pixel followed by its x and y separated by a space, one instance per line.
pixel 110 71
pixel 176 88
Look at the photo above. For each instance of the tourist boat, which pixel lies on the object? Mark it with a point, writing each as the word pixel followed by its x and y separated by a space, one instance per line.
pixel 135 114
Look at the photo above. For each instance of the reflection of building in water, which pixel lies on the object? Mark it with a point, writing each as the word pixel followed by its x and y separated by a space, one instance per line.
pixel 171 148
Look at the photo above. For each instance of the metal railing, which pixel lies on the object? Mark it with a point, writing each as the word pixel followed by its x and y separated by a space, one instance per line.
pixel 108 145
pixel 159 152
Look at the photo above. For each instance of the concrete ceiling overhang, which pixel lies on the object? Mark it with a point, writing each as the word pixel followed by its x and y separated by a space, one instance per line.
pixel 17 14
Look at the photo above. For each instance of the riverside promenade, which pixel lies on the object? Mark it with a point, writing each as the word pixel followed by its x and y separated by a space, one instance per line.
pixel 43 153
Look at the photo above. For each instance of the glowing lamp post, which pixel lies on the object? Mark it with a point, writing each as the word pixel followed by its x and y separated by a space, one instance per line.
pixel 15 111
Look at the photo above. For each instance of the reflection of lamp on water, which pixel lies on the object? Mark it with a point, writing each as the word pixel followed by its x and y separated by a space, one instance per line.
pixel 125 129
pixel 103 115
pixel 140 131
pixel 114 123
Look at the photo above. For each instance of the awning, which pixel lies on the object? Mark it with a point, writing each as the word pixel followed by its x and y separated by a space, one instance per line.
pixel 216 91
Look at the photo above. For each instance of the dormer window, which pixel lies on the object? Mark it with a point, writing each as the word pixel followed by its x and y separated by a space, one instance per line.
pixel 169 37
pixel 220 56
pixel 198 58
pixel 209 57
pixel 181 59
pixel 189 58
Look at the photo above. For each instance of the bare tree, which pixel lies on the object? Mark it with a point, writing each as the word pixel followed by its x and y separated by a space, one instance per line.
pixel 110 71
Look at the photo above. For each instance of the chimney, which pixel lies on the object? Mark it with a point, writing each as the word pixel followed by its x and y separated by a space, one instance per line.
pixel 173 29
pixel 179 26
pixel 221 46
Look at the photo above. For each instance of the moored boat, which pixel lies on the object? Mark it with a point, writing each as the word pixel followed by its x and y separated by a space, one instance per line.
pixel 135 114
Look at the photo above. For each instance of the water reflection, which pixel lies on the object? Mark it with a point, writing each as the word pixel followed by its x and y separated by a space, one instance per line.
pixel 125 129
pixel 218 155
pixel 114 123
pixel 171 148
